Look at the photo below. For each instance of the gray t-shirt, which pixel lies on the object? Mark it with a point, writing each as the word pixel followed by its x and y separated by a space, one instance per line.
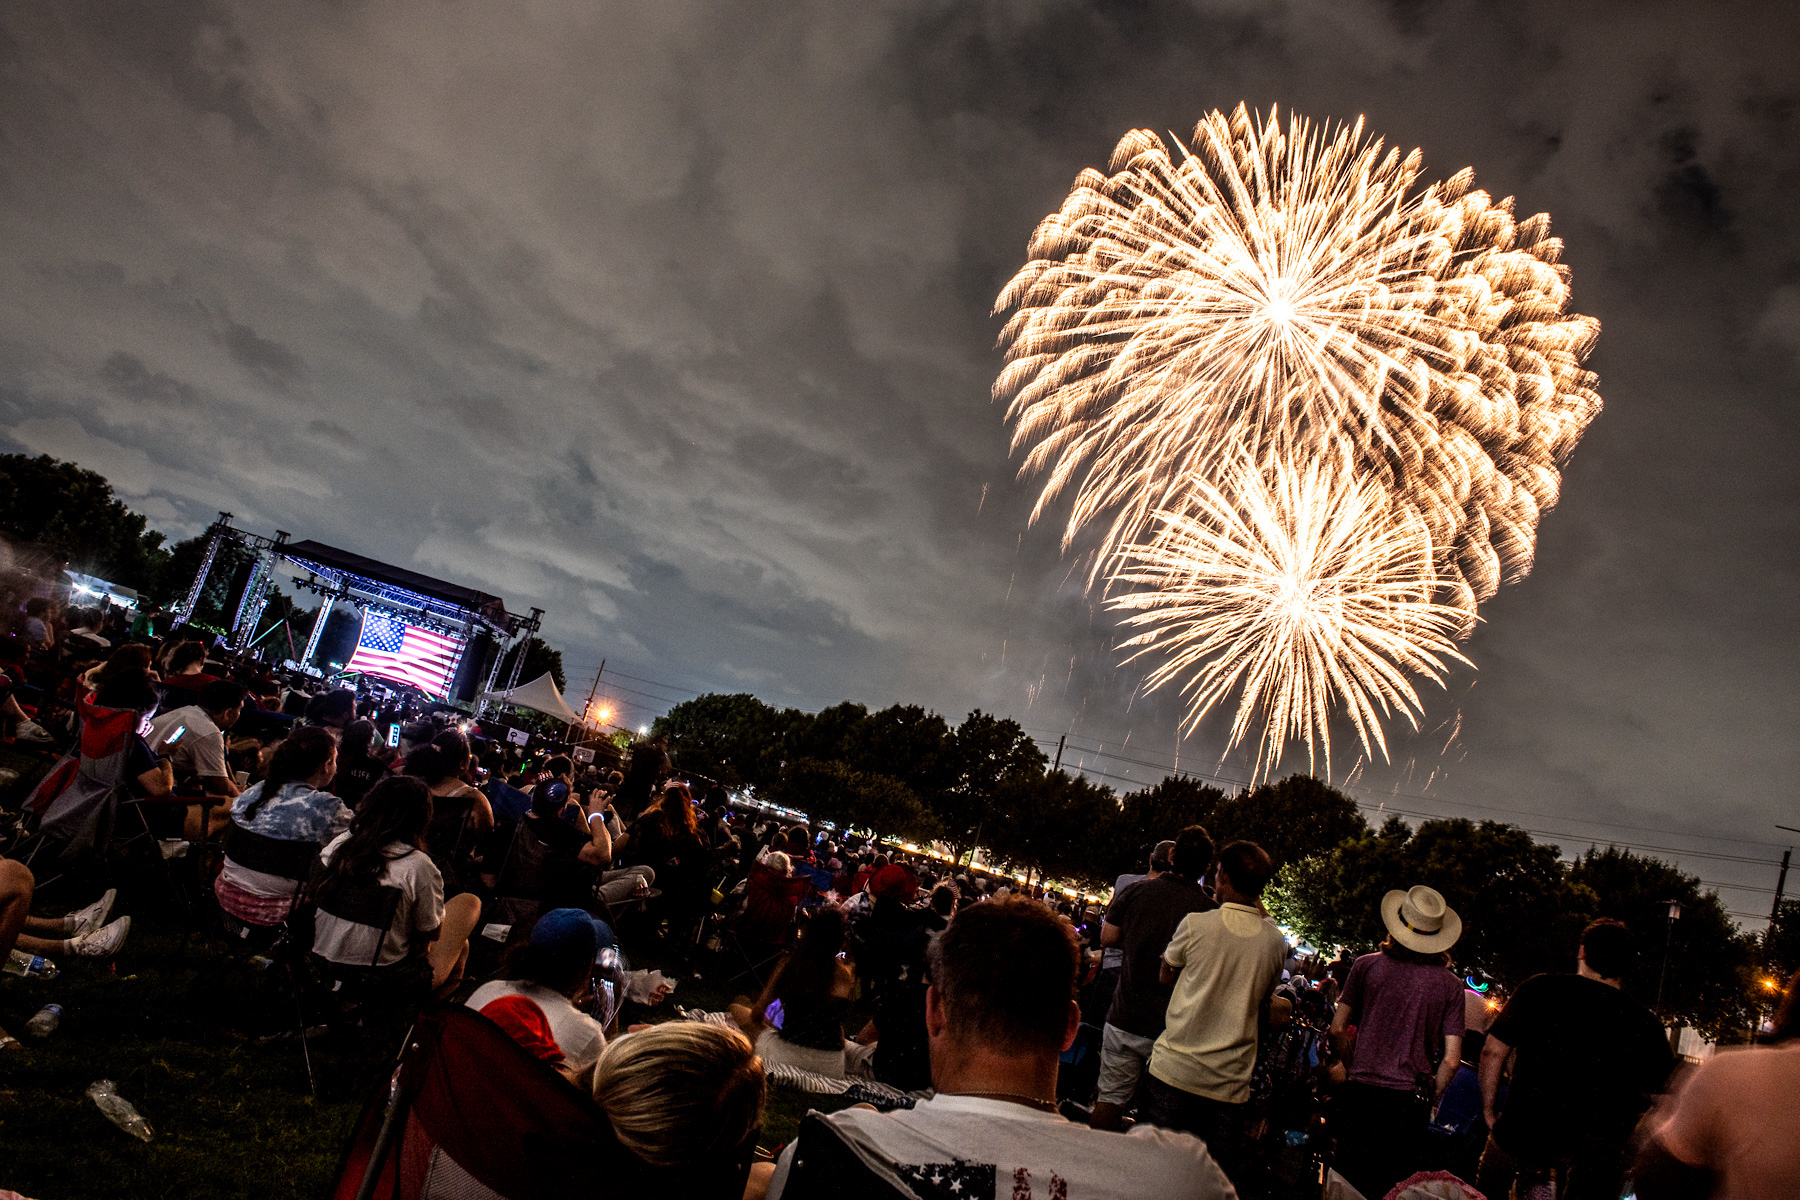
pixel 197 749
pixel 411 881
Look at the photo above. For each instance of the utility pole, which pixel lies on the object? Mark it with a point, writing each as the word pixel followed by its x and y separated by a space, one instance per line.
pixel 1781 880
pixel 1668 945
pixel 1059 748
pixel 592 692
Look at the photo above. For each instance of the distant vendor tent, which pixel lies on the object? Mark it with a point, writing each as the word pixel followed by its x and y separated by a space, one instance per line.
pixel 540 695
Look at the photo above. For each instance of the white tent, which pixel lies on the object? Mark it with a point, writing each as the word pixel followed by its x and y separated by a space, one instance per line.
pixel 540 695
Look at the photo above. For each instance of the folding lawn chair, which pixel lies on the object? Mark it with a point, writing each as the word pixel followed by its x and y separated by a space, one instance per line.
pixel 468 1113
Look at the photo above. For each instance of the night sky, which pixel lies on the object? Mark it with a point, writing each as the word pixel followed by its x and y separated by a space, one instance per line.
pixel 673 319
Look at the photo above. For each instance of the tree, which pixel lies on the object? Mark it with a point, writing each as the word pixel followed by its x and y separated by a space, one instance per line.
pixel 539 658
pixel 73 513
pixel 986 750
pixel 1296 818
pixel 734 739
pixel 1046 824
pixel 829 790
pixel 1153 815
pixel 1521 913
pixel 1710 984
pixel 1780 950
pixel 909 744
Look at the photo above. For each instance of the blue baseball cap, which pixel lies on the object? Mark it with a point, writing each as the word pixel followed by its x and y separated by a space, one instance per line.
pixel 566 931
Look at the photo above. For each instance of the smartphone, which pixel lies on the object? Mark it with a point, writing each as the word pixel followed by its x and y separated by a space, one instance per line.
pixel 394 734
pixel 174 737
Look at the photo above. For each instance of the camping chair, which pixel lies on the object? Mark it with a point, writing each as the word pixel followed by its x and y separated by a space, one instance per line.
pixel 285 946
pixel 469 1113
pixel 523 885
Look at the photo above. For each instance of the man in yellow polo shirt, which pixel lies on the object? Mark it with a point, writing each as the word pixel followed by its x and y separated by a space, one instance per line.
pixel 1224 965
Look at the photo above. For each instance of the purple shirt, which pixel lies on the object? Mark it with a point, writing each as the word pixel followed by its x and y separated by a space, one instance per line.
pixel 1402 1012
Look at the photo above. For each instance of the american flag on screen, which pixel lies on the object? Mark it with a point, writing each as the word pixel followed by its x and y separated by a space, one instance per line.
pixel 405 653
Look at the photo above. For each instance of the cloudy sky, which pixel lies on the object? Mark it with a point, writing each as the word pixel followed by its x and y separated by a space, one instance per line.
pixel 673 319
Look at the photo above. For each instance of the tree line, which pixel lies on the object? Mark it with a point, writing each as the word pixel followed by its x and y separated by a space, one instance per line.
pixel 904 773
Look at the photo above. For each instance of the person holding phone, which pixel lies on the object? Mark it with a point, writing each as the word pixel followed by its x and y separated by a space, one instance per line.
pixel 192 739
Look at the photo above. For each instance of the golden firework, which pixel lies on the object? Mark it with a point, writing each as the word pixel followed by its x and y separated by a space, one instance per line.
pixel 1284 295
pixel 1300 589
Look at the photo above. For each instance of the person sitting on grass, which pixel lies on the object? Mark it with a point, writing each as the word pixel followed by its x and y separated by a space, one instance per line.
pixel 812 988
pixel 381 905
pixel 1000 1011
pixel 270 824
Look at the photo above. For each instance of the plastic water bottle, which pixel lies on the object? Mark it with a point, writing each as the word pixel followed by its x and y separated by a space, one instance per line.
pixel 44 1023
pixel 118 1110
pixel 31 966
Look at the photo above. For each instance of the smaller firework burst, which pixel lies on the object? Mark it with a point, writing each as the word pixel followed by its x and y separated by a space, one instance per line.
pixel 1301 586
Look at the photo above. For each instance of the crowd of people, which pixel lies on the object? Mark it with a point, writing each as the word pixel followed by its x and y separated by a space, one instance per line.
pixel 1172 1041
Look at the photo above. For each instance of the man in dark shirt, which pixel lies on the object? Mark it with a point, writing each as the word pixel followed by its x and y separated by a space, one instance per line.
pixel 1140 922
pixel 1590 1059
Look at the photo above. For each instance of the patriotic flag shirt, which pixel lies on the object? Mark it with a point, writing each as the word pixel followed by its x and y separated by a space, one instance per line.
pixel 973 1148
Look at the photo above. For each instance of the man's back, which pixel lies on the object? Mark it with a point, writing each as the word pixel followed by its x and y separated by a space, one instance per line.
pixel 1589 1059
pixel 974 1148
pixel 1229 960
pixel 1147 914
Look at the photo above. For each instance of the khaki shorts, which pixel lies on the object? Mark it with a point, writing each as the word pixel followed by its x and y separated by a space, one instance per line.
pixel 1123 1057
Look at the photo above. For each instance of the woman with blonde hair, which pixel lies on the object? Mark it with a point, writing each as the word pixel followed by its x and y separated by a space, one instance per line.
pixel 685 1094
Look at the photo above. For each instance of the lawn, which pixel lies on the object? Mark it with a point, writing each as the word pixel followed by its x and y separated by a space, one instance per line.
pixel 175 1024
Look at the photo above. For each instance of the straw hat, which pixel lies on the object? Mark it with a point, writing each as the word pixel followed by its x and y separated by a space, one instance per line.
pixel 1420 920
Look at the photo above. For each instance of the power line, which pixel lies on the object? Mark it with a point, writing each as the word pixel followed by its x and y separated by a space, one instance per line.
pixel 1493 808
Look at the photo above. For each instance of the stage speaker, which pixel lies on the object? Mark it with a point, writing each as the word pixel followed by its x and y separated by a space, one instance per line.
pixel 472 672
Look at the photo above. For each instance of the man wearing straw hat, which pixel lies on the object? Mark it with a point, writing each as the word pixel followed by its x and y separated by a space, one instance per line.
pixel 1406 1010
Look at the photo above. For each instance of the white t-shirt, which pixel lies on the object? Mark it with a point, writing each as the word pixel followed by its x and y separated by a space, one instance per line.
pixel 412 874
pixel 200 750
pixel 1230 959
pixel 578 1036
pixel 972 1148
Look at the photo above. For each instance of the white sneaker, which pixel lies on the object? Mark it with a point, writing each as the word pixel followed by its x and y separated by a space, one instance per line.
pixel 31 731
pixel 104 942
pixel 94 915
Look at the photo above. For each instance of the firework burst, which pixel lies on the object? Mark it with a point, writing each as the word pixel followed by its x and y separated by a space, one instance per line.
pixel 1287 295
pixel 1300 590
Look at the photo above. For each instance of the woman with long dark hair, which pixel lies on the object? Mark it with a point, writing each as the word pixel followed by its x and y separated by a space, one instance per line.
pixel 461 815
pixel 667 839
pixel 811 992
pixel 277 826
pixel 381 902
pixel 357 769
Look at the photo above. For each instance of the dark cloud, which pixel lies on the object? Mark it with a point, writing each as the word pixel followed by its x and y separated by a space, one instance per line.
pixel 268 360
pixel 673 320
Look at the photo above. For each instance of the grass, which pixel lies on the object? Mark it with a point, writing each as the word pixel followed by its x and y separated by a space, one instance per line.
pixel 231 1118
pixel 174 1023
